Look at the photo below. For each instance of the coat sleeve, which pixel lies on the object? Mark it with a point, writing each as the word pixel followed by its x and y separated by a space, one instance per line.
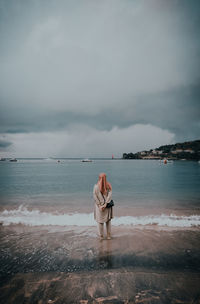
pixel 96 197
pixel 109 197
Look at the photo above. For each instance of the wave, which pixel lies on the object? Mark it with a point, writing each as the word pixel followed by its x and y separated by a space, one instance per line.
pixel 36 218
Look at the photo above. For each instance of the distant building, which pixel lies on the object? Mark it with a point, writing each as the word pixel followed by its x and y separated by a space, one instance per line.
pixel 188 151
pixel 151 157
pixel 177 151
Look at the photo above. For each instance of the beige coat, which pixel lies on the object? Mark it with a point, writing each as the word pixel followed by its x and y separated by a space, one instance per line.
pixel 107 214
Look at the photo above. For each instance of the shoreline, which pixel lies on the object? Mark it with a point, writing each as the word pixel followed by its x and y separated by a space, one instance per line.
pixel 119 209
pixel 128 246
pixel 138 218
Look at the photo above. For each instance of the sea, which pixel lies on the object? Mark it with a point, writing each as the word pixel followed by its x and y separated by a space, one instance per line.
pixel 145 192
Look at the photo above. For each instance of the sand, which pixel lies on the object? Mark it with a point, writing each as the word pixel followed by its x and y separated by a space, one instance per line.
pixel 51 264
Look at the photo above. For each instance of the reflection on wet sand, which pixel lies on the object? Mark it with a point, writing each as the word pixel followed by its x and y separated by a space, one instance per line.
pixel 104 257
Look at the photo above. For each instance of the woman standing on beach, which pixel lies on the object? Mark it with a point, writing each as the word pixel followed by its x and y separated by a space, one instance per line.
pixel 102 194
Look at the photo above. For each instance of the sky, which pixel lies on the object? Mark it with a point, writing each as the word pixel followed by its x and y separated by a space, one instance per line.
pixel 92 78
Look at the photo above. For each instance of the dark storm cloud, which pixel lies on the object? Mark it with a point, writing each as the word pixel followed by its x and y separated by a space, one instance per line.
pixel 4 144
pixel 177 110
pixel 100 63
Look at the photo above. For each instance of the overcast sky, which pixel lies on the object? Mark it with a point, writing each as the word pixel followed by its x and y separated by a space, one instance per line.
pixel 94 77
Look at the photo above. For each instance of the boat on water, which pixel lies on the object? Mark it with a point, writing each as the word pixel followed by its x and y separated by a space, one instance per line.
pixel 2 159
pixel 13 160
pixel 86 160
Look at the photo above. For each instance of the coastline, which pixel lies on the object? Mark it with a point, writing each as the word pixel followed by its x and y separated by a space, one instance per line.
pixel 84 206
pixel 82 217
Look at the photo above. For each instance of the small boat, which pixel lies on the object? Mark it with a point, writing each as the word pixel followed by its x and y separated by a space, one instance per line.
pixel 13 160
pixel 2 159
pixel 86 160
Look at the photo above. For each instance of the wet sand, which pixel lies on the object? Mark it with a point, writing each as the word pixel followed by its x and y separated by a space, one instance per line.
pixel 54 264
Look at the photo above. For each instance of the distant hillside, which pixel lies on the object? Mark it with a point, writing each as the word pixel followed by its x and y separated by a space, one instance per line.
pixel 191 145
pixel 189 150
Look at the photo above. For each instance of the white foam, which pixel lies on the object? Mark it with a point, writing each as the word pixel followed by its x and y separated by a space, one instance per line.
pixel 36 218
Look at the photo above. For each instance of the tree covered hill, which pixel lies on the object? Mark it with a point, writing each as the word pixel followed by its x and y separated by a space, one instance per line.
pixel 188 145
pixel 189 150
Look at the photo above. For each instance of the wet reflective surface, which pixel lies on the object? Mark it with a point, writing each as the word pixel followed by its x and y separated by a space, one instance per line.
pixel 139 266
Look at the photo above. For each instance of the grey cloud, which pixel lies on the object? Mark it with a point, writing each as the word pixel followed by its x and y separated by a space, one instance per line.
pixel 177 110
pixel 4 144
pixel 100 63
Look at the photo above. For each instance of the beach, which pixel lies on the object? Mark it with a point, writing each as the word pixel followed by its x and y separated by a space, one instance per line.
pixel 141 264
pixel 49 248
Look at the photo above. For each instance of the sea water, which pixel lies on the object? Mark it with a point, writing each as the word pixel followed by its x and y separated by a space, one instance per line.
pixel 69 183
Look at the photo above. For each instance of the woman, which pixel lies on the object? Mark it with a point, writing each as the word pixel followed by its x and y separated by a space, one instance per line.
pixel 102 194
